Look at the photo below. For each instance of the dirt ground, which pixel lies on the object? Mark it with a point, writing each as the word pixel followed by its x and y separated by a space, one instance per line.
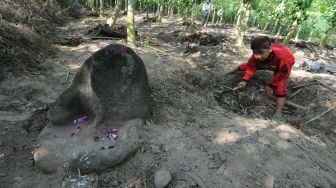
pixel 201 138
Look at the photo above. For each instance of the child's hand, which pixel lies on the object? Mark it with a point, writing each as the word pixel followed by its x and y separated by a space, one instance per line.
pixel 268 91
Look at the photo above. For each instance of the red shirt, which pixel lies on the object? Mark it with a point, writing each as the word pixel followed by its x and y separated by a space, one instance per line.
pixel 281 63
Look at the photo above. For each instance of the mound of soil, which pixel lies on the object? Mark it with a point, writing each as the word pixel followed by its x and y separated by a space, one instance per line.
pixel 202 38
pixel 107 31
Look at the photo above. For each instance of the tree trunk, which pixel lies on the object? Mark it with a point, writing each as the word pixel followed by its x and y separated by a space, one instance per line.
pixel 126 5
pixel 297 33
pixel 279 30
pixel 130 23
pixel 92 4
pixel 170 11
pixel 101 9
pixel 310 35
pixel 112 21
pixel 266 26
pixel 275 26
pixel 160 11
pixel 254 21
pixel 214 14
pixel 242 25
pixel 140 6
pixel 239 14
pixel 291 32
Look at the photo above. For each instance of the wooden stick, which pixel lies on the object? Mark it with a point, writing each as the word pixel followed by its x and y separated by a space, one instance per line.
pixel 319 116
pixel 295 93
pixel 66 78
pixel 106 38
pixel 326 85
pixel 305 84
pixel 290 103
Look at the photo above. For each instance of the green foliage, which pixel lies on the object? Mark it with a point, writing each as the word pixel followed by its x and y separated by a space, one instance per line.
pixel 317 18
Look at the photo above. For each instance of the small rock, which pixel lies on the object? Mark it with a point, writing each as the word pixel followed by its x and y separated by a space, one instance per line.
pixel 214 165
pixel 166 148
pixel 162 178
pixel 155 149
pixel 186 169
pixel 114 183
pixel 2 155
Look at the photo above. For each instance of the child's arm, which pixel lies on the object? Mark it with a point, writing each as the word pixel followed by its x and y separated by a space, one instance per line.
pixel 250 69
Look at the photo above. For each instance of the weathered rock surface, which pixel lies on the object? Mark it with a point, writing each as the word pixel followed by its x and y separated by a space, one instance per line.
pixel 111 90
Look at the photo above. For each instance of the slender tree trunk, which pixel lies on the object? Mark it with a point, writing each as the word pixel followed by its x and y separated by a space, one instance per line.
pixel 193 13
pixel 239 14
pixel 130 23
pixel 275 26
pixel 170 10
pixel 101 9
pixel 266 26
pixel 279 30
pixel 242 26
pixel 140 6
pixel 112 21
pixel 254 21
pixel 310 35
pixel 92 4
pixel 289 36
pixel 126 5
pixel 297 33
pixel 160 11
pixel 214 14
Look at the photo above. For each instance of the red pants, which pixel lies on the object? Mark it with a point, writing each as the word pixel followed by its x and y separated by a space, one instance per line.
pixel 280 89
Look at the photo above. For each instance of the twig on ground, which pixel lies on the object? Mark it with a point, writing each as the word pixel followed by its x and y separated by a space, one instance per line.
pixel 305 84
pixel 67 77
pixel 290 103
pixel 326 85
pixel 320 115
pixel 295 93
pixel 105 38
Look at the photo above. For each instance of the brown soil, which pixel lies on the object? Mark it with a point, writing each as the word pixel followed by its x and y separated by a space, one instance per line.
pixel 201 138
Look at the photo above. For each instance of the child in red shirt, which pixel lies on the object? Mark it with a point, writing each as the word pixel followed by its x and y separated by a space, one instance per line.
pixel 270 56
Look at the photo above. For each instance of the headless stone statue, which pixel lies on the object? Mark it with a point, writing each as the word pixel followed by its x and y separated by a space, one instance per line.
pixel 110 92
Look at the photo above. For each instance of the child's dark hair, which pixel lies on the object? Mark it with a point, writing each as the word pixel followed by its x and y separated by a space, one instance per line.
pixel 260 43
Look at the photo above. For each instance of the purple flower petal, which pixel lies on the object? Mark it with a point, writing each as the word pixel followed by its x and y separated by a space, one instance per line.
pixel 114 136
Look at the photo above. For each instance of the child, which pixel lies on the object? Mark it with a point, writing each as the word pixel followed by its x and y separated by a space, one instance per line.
pixel 270 56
